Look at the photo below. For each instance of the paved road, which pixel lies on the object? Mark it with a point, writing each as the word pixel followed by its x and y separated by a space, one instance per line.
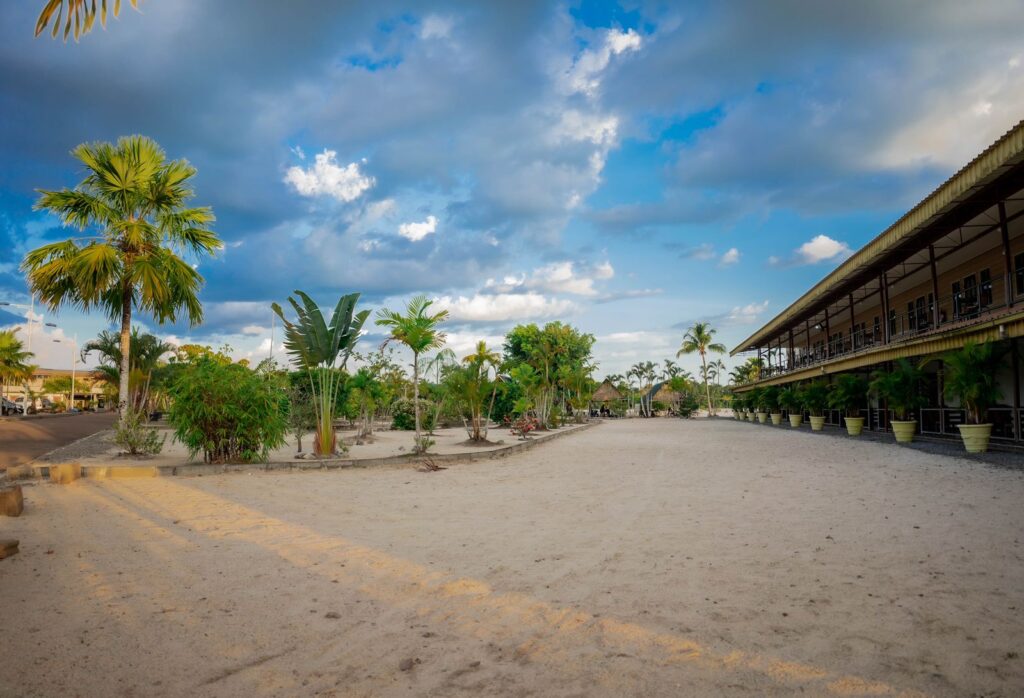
pixel 21 440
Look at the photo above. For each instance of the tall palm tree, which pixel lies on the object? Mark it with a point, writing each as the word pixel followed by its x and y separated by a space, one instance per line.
pixel 135 200
pixel 700 339
pixel 316 346
pixel 83 11
pixel 14 359
pixel 671 369
pixel 719 370
pixel 416 329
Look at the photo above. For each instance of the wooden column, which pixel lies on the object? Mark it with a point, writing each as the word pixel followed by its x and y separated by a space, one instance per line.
pixel 828 340
pixel 853 326
pixel 1004 229
pixel 1015 359
pixel 884 285
pixel 935 286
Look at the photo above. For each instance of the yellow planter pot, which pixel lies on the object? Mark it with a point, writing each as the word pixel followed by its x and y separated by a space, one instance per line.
pixel 795 420
pixel 776 418
pixel 762 417
pixel 817 423
pixel 854 425
pixel 904 431
pixel 975 436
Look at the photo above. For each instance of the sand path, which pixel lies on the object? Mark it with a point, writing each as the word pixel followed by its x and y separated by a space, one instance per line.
pixel 656 557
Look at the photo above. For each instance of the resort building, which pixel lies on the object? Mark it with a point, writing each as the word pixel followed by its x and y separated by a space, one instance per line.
pixel 950 271
pixel 51 388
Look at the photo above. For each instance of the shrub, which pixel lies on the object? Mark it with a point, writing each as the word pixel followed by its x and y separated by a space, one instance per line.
pixel 900 388
pixel 132 434
pixel 789 398
pixel 227 412
pixel 770 398
pixel 687 405
pixel 814 397
pixel 848 394
pixel 971 376
pixel 403 416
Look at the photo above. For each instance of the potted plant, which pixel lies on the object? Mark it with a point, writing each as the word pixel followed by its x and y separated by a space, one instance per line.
pixel 900 388
pixel 970 375
pixel 848 394
pixel 771 404
pixel 789 399
pixel 814 397
pixel 737 406
pixel 757 404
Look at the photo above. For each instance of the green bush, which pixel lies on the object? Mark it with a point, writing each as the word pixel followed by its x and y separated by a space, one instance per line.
pixel 227 412
pixel 402 416
pixel 135 437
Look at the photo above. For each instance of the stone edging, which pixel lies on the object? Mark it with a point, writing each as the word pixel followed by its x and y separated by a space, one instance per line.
pixel 128 471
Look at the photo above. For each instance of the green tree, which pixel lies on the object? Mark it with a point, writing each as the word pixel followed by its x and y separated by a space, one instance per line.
pixel 700 339
pixel 135 201
pixel 145 352
pixel 546 350
pixel 418 330
pixel 14 359
pixel 317 347
pixel 84 13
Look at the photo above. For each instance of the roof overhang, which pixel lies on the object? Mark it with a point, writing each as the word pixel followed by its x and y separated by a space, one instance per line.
pixel 993 175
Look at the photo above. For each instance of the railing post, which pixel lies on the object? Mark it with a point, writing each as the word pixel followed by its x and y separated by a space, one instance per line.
pixel 935 287
pixel 887 333
pixel 828 339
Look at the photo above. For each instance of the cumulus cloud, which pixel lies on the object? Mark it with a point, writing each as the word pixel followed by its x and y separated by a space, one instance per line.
pixel 703 252
pixel 818 249
pixel 585 74
pixel 747 314
pixel 730 257
pixel 436 27
pixel 327 178
pixel 418 231
pixel 557 277
pixel 502 307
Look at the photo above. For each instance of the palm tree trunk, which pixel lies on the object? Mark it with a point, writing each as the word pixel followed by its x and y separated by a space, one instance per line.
pixel 126 345
pixel 707 387
pixel 416 395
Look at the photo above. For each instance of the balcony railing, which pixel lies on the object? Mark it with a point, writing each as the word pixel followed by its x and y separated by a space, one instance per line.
pixel 967 307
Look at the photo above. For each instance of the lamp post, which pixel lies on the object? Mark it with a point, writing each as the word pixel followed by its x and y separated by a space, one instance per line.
pixel 74 363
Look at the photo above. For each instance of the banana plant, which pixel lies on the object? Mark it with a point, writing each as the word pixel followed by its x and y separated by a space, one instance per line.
pixel 317 347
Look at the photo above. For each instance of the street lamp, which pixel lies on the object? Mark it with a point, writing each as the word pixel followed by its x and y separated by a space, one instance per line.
pixel 30 317
pixel 74 348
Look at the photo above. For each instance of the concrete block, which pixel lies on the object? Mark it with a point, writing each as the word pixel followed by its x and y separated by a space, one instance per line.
pixel 11 501
pixel 63 473
pixel 8 547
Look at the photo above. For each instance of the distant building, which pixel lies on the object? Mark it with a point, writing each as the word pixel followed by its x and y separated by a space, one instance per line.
pixel 950 271
pixel 90 386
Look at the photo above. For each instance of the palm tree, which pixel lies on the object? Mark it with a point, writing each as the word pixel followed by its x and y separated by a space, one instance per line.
pixel 719 367
pixel 316 347
pixel 145 352
pixel 699 338
pixel 417 329
pixel 136 200
pixel 671 370
pixel 14 364
pixel 83 11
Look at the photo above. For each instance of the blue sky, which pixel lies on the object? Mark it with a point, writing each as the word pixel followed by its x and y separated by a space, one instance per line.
pixel 626 167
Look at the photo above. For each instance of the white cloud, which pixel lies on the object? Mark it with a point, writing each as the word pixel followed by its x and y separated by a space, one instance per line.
pixel 436 27
pixel 254 330
pixel 558 277
pixel 703 252
pixel 585 74
pixel 747 314
pixel 731 256
pixel 327 178
pixel 418 231
pixel 504 306
pixel 822 248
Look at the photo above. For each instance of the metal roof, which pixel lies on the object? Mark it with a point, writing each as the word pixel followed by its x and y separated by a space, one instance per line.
pixel 995 173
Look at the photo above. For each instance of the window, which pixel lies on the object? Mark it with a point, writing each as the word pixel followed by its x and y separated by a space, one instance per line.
pixel 957 300
pixel 911 316
pixel 1018 265
pixel 876 332
pixel 985 295
pixel 892 322
pixel 970 304
pixel 921 313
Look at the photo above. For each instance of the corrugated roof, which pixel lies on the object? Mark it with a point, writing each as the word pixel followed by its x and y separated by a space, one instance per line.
pixel 1007 152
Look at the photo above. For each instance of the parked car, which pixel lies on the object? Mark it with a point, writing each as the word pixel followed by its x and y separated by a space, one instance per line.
pixel 10 407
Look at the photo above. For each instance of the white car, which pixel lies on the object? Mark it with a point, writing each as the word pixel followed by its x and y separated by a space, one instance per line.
pixel 9 407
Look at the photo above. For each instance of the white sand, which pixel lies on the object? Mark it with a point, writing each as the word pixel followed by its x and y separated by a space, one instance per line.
pixel 653 557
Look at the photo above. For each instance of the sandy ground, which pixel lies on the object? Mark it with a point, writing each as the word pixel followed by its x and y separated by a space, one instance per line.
pixel 655 558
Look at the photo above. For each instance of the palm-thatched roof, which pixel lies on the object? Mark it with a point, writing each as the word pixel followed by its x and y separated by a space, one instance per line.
pixel 606 392
pixel 661 392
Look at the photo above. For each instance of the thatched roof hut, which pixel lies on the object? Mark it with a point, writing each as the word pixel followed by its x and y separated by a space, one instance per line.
pixel 606 392
pixel 661 392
